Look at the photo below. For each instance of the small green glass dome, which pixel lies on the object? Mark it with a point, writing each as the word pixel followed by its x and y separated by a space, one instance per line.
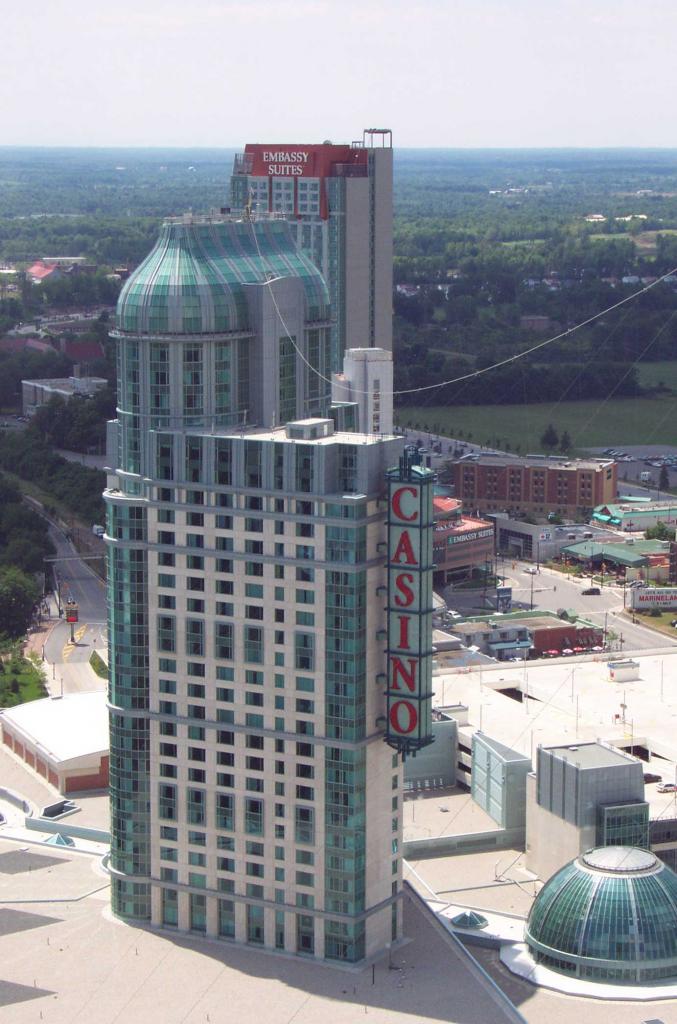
pixel 191 283
pixel 610 915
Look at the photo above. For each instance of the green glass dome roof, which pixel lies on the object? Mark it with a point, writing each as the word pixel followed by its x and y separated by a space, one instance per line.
pixel 611 915
pixel 191 282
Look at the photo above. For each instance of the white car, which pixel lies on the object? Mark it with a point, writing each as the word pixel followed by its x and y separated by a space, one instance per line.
pixel 531 570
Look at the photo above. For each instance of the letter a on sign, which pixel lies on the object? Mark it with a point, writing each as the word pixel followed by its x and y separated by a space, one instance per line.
pixel 404 547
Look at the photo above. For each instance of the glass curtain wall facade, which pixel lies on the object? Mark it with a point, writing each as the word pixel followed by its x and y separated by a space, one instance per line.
pixel 252 796
pixel 610 915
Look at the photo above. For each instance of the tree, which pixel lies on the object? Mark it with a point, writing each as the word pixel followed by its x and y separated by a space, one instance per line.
pixel 18 596
pixel 565 442
pixel 663 479
pixel 549 437
pixel 659 532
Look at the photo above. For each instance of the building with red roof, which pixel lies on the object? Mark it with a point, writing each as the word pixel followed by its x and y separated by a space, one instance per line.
pixel 462 545
pixel 40 271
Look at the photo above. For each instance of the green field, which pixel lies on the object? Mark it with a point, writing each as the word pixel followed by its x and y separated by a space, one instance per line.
pixel 622 421
pixel 645 241
pixel 651 375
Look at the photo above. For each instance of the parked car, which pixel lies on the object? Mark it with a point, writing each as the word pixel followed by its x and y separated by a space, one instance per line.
pixel 667 787
pixel 651 777
pixel 591 592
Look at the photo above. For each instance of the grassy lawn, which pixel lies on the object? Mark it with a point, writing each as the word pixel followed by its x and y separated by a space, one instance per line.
pixel 622 421
pixel 21 679
pixel 653 374
pixel 99 665
pixel 645 241
pixel 660 622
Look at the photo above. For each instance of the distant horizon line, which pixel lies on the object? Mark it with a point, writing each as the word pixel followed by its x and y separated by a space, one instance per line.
pixel 418 148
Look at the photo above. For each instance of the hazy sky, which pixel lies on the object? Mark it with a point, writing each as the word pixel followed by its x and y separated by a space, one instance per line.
pixel 438 72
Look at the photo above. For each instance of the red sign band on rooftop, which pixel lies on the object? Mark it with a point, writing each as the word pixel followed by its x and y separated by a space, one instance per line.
pixel 298 161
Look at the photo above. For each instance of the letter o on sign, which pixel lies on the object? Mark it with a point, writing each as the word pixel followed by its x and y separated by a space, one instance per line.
pixel 403 717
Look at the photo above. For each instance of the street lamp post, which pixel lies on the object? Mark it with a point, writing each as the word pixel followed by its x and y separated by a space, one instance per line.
pixel 531 601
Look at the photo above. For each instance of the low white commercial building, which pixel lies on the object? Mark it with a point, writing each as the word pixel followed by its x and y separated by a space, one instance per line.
pixel 63 739
pixel 35 393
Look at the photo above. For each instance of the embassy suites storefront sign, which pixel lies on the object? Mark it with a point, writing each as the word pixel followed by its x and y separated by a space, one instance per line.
pixel 410 605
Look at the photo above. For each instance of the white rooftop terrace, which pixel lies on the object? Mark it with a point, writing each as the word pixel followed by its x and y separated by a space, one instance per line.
pixel 570 701
pixel 65 728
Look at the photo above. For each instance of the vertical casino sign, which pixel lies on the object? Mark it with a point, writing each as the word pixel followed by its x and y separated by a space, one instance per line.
pixel 410 604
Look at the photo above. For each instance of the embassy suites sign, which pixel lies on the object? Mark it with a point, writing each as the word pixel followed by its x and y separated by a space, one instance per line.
pixel 283 162
pixel 410 605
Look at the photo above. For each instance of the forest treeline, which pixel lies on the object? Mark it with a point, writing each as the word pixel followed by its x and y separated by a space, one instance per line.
pixel 24 544
pixel 78 488
pixel 483 239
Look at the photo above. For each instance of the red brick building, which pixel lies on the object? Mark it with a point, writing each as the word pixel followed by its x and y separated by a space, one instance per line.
pixel 554 635
pixel 535 484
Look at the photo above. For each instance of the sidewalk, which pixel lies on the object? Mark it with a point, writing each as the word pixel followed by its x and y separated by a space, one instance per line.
pixel 38 636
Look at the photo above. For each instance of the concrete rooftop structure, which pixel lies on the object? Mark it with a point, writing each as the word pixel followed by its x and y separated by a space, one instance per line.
pixel 66 961
pixel 66 728
pixel 571 700
pixel 590 755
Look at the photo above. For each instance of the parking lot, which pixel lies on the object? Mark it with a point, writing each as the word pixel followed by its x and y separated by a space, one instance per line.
pixel 634 460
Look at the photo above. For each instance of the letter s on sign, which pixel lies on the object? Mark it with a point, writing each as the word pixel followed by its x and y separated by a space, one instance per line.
pixel 396 504
pixel 402 581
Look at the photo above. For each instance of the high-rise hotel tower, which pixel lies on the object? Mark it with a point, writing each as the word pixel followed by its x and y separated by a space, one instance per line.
pixel 339 202
pixel 253 797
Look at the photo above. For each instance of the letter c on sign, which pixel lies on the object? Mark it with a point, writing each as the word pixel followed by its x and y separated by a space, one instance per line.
pixel 397 504
pixel 408 713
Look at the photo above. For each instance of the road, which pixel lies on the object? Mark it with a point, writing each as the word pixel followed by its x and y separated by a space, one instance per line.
pixel 93 461
pixel 78 582
pixel 552 591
